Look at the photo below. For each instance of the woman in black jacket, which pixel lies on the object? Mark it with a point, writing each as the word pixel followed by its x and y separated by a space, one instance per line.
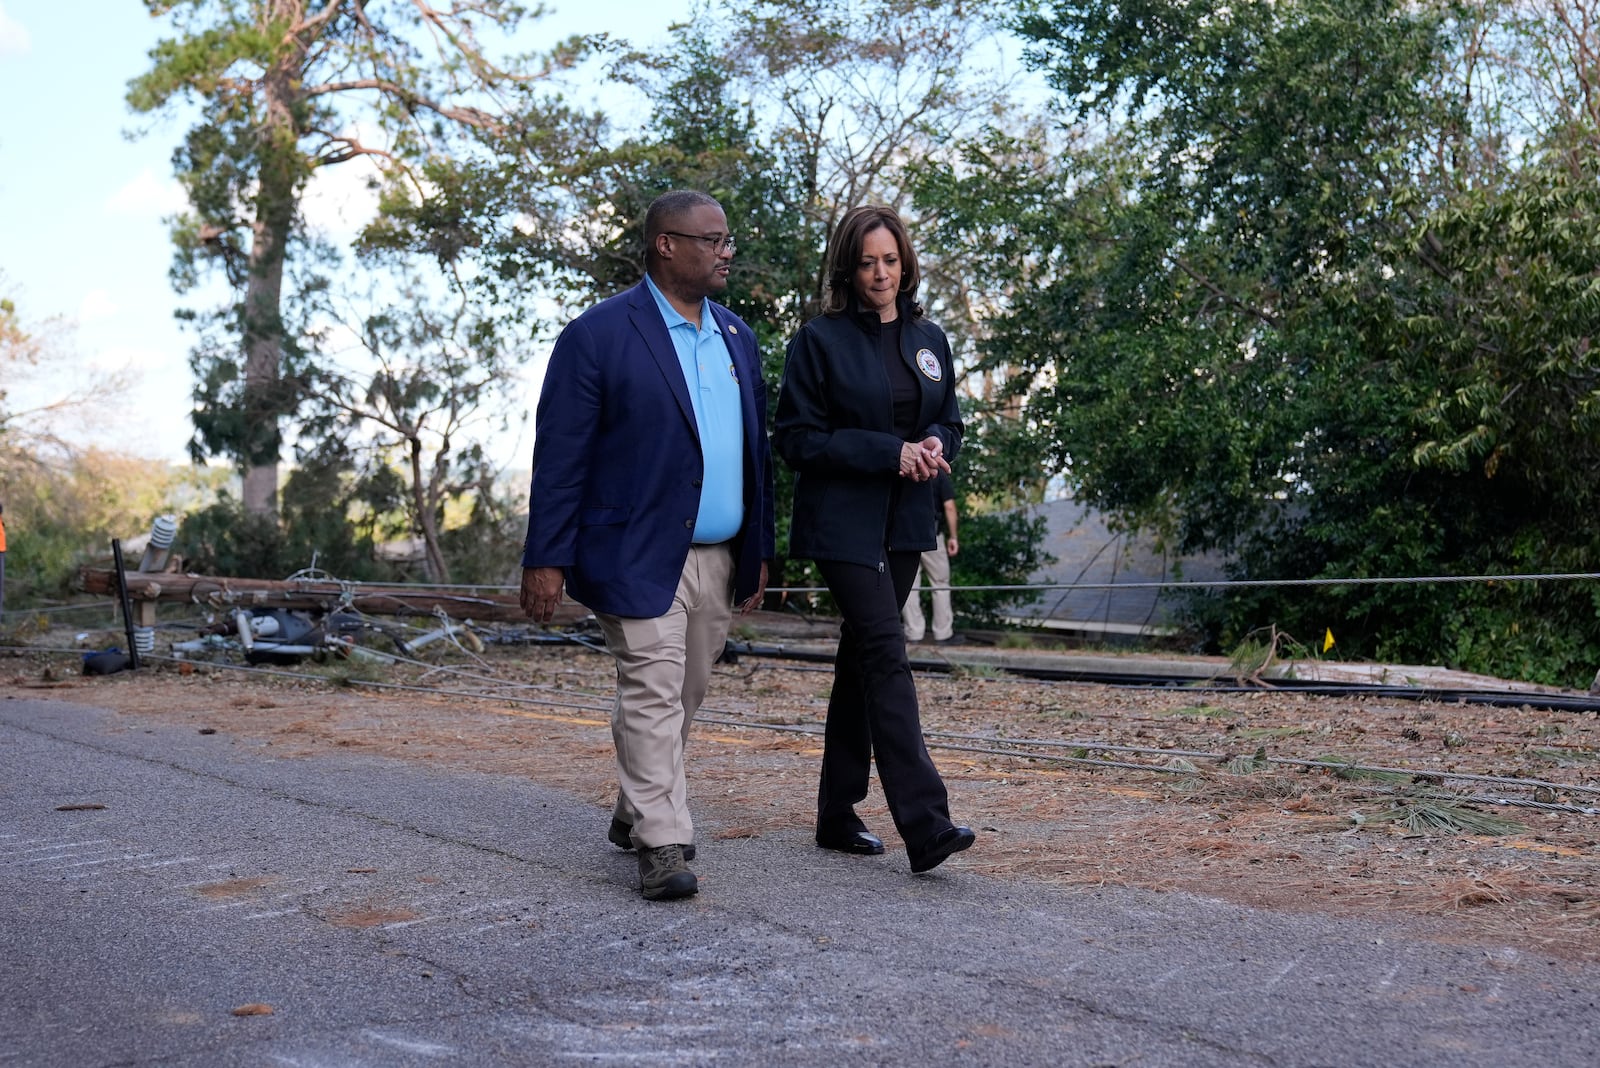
pixel 866 417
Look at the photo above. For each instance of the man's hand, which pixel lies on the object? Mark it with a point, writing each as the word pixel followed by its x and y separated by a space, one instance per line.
pixel 951 546
pixel 749 605
pixel 541 592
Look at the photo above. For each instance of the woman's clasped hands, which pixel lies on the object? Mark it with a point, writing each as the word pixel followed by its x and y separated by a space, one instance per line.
pixel 922 460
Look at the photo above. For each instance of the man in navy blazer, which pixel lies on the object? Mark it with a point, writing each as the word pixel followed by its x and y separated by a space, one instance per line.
pixel 652 502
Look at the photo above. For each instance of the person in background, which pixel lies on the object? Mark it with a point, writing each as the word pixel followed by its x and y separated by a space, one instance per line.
pixel 2 564
pixel 935 563
pixel 867 418
pixel 652 501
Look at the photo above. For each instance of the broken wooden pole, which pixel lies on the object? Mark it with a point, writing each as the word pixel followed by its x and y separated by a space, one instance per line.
pixel 484 606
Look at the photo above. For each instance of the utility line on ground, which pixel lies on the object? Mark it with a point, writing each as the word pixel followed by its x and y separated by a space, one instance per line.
pixel 1032 749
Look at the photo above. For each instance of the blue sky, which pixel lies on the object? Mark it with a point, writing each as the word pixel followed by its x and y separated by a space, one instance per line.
pixel 81 205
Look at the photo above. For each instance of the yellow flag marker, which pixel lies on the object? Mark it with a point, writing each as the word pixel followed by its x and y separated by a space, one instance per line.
pixel 1327 640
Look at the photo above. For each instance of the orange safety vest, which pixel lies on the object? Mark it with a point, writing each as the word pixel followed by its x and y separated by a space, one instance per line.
pixel 2 535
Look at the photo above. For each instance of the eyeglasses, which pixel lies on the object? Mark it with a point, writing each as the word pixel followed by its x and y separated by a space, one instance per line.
pixel 719 243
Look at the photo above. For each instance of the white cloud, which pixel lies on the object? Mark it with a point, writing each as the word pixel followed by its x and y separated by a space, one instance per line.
pixel 96 304
pixel 14 37
pixel 146 194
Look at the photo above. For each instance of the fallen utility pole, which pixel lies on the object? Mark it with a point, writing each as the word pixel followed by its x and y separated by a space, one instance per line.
pixel 484 606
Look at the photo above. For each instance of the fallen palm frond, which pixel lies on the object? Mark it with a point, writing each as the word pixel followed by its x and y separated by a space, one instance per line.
pixel 1253 655
pixel 1440 816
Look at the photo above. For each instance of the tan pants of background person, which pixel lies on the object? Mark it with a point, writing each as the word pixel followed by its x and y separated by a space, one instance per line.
pixel 663 669
pixel 936 562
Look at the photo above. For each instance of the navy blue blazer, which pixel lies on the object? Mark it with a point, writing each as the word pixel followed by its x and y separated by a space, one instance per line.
pixel 617 463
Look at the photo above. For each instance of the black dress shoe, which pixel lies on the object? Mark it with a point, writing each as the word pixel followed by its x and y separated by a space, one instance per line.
pixel 621 835
pixel 938 848
pixel 860 843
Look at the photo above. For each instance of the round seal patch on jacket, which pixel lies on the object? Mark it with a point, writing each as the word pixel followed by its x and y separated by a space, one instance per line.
pixel 928 364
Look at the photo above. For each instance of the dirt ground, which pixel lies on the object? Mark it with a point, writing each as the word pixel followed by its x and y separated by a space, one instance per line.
pixel 1227 822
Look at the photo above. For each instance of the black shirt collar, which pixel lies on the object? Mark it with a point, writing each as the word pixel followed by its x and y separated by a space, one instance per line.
pixel 868 318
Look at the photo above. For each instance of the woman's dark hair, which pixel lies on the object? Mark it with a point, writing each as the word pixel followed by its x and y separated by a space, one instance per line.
pixel 844 255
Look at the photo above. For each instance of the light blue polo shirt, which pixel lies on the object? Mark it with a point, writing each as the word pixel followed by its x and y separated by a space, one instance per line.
pixel 714 392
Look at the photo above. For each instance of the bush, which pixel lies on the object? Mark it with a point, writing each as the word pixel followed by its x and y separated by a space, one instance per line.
pixel 998 549
pixel 62 512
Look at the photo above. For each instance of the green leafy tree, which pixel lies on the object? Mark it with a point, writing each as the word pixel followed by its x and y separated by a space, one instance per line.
pixel 788 113
pixel 426 391
pixel 1289 296
pixel 286 88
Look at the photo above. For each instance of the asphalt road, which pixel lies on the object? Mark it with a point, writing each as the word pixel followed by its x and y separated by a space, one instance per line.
pixel 395 914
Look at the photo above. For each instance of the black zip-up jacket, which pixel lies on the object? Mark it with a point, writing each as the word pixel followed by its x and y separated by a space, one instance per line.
pixel 834 427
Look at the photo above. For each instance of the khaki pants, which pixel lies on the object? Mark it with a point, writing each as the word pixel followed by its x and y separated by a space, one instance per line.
pixel 663 669
pixel 936 562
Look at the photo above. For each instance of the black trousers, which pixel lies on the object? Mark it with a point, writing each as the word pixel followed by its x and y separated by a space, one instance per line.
pixel 873 709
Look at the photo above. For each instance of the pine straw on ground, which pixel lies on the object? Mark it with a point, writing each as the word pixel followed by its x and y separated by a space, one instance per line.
pixel 1235 827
